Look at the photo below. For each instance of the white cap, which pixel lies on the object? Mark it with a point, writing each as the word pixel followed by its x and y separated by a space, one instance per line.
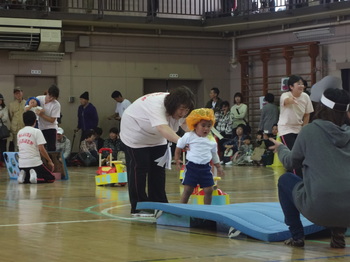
pixel 60 131
pixel 322 85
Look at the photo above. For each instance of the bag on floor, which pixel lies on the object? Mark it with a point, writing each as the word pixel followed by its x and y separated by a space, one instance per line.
pixel 4 131
pixel 257 154
pixel 87 158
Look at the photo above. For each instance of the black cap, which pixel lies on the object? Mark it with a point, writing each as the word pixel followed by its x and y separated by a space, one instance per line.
pixel 85 95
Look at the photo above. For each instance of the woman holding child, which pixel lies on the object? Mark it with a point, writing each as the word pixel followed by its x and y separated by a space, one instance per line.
pixel 146 126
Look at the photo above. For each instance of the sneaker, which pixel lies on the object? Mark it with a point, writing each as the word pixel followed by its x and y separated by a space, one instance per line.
pixel 295 243
pixel 222 163
pixel 142 214
pixel 338 237
pixel 228 163
pixel 21 177
pixel 33 176
pixel 157 213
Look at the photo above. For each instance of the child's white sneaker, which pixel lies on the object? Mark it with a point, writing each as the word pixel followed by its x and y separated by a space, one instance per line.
pixel 21 177
pixel 33 176
pixel 229 163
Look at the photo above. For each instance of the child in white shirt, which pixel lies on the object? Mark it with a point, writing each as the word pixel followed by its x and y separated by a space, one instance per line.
pixel 202 148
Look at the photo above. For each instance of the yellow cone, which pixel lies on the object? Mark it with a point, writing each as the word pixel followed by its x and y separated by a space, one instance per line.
pixel 276 160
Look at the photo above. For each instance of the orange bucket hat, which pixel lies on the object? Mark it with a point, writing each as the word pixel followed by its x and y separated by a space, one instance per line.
pixel 199 114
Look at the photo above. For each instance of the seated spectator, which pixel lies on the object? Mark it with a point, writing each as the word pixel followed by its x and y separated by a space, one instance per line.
pixel 262 155
pixel 259 148
pixel 234 144
pixel 99 141
pixel 114 143
pixel 242 156
pixel 224 121
pixel 88 150
pixel 224 125
pixel 267 157
pixel 259 142
pixel 239 112
pixel 267 136
pixel 63 144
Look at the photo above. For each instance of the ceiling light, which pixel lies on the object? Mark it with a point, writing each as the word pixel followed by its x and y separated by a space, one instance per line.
pixel 37 56
pixel 314 33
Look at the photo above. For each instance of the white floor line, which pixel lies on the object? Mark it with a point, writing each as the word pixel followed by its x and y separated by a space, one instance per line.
pixel 58 222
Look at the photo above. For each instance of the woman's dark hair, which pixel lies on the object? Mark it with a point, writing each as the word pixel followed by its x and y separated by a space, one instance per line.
pixel 114 130
pixel 53 91
pixel 270 98
pixel 293 79
pixel 338 96
pixel 260 132
pixel 90 133
pixel 180 96
pixel 98 131
pixel 244 127
pixel 239 95
pixel 225 103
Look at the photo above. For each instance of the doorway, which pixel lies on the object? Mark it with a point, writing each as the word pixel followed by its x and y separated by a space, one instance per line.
pixel 34 85
pixel 164 85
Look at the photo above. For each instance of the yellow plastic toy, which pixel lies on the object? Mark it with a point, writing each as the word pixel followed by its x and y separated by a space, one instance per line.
pixel 183 165
pixel 276 161
pixel 108 174
pixel 219 197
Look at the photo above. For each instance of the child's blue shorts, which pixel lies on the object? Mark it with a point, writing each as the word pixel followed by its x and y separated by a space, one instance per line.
pixel 195 174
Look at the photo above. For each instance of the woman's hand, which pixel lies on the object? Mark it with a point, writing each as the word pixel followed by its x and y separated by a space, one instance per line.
pixel 275 146
pixel 40 112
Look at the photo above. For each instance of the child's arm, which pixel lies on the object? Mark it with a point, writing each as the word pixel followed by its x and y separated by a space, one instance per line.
pixel 45 155
pixel 216 161
pixel 177 158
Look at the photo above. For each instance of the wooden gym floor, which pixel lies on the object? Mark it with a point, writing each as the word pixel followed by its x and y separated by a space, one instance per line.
pixel 76 221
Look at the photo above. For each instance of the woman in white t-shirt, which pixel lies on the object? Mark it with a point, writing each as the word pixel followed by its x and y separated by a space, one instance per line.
pixel 146 126
pixel 295 109
pixel 48 116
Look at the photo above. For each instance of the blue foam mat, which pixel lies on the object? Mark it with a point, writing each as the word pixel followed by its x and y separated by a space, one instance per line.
pixel 260 220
